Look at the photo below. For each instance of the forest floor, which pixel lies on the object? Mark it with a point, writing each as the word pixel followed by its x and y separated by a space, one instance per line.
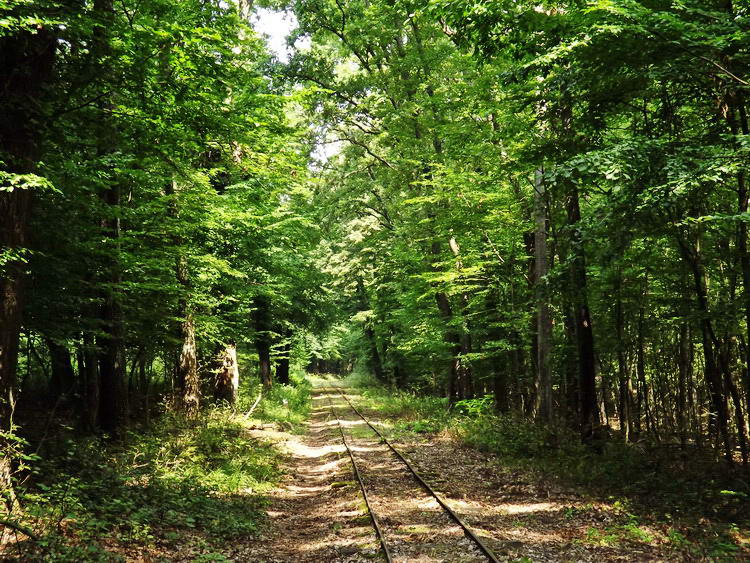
pixel 280 488
pixel 318 513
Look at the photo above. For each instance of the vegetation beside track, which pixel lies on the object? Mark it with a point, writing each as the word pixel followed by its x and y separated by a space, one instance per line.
pixel 180 486
pixel 698 508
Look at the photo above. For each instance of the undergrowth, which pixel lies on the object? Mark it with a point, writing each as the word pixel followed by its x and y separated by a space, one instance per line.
pixel 191 485
pixel 655 482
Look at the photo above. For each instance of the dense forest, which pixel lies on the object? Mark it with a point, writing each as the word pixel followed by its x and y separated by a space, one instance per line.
pixel 534 211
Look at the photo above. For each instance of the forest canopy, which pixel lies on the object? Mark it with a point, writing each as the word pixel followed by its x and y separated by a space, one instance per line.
pixel 539 205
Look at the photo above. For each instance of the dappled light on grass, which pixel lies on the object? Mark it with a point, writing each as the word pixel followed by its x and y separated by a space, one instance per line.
pixel 317 515
pixel 183 488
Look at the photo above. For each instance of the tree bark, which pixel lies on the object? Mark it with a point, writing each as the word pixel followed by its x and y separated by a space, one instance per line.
pixel 112 359
pixel 228 376
pixel 623 375
pixel 262 318
pixel 111 364
pixel 684 367
pixel 543 314
pixel 90 381
pixel 466 375
pixel 282 363
pixel 452 339
pixel 719 415
pixel 63 377
pixel 589 419
pixel 113 393
pixel 187 369
pixel 26 62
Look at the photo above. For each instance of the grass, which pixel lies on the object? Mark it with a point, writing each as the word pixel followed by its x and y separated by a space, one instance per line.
pixel 699 507
pixel 189 486
pixel 286 405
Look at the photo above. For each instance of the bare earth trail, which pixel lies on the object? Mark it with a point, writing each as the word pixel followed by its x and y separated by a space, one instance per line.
pixel 319 513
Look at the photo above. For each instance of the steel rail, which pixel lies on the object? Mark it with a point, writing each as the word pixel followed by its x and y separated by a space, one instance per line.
pixel 455 517
pixel 355 470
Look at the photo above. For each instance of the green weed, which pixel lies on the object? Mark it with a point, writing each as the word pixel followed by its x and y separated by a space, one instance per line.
pixel 197 482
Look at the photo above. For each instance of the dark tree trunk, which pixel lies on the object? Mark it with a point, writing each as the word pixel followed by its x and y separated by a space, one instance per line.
pixel 684 362
pixel 543 313
pixel 262 318
pixel 734 393
pixel 467 390
pixel 719 416
pixel 90 382
pixel 111 366
pixel 583 329
pixel 453 339
pixel 623 375
pixel 644 406
pixel 113 392
pixel 452 336
pixel 63 377
pixel 264 361
pixel 501 388
pixel 282 364
pixel 26 61
pixel 376 363
pixel 732 108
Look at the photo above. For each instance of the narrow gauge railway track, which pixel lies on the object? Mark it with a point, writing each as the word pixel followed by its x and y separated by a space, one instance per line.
pixel 355 470
pixel 468 532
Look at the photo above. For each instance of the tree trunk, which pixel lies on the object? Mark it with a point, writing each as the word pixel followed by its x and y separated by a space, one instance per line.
pixel 644 406
pixel 113 394
pixel 111 364
pixel 282 363
pixel 112 359
pixel 262 317
pixel 684 367
pixel 452 338
pixel 584 332
pixel 623 376
pixel 376 363
pixel 467 390
pixel 228 376
pixel 739 124
pixel 187 370
pixel 543 314
pixel 63 377
pixel 26 62
pixel 729 385
pixel 90 382
pixel 719 416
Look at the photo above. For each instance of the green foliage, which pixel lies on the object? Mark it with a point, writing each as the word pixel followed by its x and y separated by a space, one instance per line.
pixel 194 482
pixel 506 435
pixel 287 405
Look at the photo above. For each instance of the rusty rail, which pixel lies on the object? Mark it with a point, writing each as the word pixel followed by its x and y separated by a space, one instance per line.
pixel 468 532
pixel 355 470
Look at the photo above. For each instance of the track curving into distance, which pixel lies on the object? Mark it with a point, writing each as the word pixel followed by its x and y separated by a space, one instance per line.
pixel 483 549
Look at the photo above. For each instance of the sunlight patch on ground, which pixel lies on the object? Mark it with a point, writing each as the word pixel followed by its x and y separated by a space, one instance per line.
pixel 528 508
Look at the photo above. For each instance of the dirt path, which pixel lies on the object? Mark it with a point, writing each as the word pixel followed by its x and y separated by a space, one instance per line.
pixel 318 514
